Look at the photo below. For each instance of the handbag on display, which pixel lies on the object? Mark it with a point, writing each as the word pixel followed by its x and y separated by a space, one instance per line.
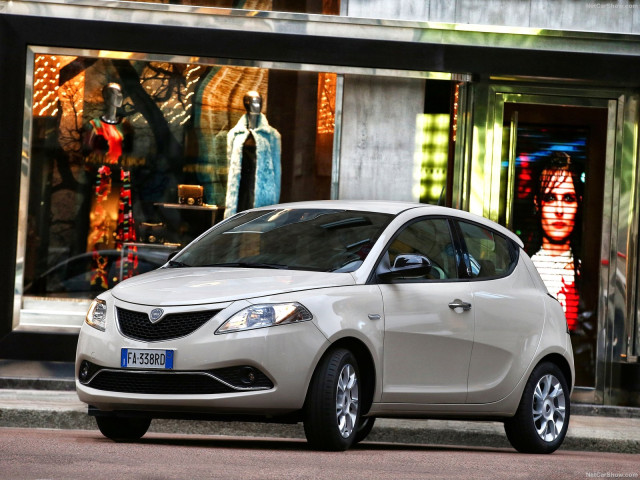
pixel 190 194
pixel 152 232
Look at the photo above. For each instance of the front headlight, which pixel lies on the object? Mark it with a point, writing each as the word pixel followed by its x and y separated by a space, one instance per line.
pixel 267 315
pixel 97 314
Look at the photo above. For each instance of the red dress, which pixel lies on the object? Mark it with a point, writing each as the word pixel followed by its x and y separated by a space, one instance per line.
pixel 107 140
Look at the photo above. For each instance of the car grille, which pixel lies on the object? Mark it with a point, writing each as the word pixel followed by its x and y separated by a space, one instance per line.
pixel 138 326
pixel 176 383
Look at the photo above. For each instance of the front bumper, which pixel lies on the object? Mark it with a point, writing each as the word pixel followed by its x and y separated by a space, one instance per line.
pixel 210 371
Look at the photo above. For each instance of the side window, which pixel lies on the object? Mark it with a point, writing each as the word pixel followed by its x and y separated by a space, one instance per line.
pixel 432 239
pixel 490 254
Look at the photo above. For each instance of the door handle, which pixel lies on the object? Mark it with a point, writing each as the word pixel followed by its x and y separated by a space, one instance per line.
pixel 457 303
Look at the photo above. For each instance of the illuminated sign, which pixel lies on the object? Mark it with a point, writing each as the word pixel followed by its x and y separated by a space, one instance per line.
pixel 548 208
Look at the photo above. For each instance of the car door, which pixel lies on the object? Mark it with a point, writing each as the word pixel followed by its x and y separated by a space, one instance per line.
pixel 428 320
pixel 508 313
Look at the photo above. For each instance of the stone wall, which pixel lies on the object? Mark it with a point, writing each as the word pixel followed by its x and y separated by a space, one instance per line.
pixel 614 16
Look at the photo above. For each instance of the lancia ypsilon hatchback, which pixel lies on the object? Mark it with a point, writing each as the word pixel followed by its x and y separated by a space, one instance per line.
pixel 334 313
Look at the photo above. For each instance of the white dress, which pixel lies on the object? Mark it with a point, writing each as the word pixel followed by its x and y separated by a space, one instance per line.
pixel 559 276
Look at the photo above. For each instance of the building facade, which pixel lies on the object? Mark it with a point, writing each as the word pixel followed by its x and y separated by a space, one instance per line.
pixel 119 118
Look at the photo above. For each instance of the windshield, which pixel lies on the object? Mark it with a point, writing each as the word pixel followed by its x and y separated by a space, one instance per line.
pixel 299 239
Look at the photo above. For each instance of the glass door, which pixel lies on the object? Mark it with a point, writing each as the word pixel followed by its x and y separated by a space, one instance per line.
pixel 559 169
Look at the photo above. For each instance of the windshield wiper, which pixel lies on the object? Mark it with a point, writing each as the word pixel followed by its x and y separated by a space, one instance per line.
pixel 249 265
pixel 176 264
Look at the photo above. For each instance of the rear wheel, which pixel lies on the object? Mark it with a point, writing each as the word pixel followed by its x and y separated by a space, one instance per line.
pixel 541 421
pixel 332 409
pixel 122 429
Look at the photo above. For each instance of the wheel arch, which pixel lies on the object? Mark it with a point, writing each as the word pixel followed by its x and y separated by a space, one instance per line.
pixel 366 366
pixel 562 364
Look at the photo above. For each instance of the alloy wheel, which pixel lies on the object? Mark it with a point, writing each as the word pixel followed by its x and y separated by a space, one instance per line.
pixel 549 408
pixel 347 400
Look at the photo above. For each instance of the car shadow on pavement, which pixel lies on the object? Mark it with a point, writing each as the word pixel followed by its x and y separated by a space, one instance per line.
pixel 292 444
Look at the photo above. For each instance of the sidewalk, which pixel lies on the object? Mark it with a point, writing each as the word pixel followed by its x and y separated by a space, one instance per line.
pixel 61 409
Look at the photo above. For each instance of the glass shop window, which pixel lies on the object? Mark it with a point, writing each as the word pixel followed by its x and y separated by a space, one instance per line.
pixel 436 131
pixel 132 159
pixel 326 7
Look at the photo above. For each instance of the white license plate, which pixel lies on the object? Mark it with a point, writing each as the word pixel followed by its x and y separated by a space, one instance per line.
pixel 146 358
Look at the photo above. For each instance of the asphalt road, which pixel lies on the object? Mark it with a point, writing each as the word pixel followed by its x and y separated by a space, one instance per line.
pixel 38 454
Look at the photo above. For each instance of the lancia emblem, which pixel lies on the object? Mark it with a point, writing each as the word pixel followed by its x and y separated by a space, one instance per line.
pixel 155 315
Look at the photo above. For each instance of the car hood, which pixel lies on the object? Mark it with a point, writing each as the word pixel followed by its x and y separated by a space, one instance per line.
pixel 196 286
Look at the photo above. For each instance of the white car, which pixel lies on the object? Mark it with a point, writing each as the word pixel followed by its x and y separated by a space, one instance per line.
pixel 334 313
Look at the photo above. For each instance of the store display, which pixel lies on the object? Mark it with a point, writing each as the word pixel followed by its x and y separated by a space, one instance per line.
pixel 557 203
pixel 253 149
pixel 152 232
pixel 190 194
pixel 111 220
pixel 132 155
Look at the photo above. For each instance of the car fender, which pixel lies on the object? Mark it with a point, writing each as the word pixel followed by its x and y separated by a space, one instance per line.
pixel 554 325
pixel 342 313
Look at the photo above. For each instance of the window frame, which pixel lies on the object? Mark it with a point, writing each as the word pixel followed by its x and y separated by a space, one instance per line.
pixel 512 247
pixel 375 278
pixel 460 246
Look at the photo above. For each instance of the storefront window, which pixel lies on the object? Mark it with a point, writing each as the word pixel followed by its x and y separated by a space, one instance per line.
pixel 131 158
pixel 327 7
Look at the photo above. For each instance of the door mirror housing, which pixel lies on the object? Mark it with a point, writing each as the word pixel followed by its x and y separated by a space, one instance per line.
pixel 407 265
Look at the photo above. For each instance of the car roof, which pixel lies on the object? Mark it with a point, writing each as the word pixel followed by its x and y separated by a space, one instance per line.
pixel 396 208
pixel 381 206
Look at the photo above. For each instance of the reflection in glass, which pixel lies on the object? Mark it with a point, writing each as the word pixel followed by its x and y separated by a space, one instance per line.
pixel 296 239
pixel 327 7
pixel 129 159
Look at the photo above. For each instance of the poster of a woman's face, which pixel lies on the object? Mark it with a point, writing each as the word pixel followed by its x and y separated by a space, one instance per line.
pixel 558 202
pixel 550 181
pixel 557 259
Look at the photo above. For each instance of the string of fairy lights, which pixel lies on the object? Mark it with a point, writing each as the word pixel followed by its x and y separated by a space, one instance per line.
pixel 48 93
pixel 177 112
pixel 326 102
pixel 46 85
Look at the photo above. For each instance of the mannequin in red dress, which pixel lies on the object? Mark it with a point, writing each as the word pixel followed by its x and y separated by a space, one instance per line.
pixel 110 136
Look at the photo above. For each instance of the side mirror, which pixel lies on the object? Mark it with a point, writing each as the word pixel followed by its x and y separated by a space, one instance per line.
pixel 408 265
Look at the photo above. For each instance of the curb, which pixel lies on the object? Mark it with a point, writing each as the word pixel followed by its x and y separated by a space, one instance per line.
pixel 49 384
pixel 408 432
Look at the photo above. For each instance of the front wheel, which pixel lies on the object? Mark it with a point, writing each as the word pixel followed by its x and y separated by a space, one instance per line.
pixel 332 408
pixel 122 429
pixel 364 428
pixel 541 421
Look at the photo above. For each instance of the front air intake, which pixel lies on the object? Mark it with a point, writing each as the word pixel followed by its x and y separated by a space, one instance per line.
pixel 137 325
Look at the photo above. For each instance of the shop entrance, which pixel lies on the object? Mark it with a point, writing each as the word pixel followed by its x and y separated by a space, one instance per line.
pixel 560 171
pixel 554 163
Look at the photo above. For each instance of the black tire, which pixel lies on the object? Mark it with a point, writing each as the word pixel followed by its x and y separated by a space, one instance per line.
pixel 322 417
pixel 541 421
pixel 122 429
pixel 364 428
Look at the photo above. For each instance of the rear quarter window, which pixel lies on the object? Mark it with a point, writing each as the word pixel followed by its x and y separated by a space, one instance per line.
pixel 488 254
